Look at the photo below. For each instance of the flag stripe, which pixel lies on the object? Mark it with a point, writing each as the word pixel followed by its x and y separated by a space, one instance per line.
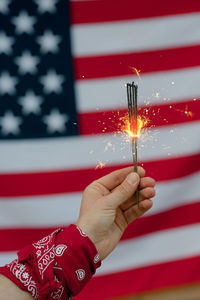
pixel 167 245
pixel 57 210
pixel 162 275
pixel 154 88
pixel 92 67
pixel 83 12
pixel 99 41
pixel 84 152
pixel 16 185
pixel 180 216
pixel 157 115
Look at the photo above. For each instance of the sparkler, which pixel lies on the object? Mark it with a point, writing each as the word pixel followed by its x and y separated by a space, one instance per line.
pixel 132 91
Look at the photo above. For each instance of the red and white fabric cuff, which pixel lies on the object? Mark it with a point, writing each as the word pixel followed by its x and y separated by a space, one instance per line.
pixel 56 267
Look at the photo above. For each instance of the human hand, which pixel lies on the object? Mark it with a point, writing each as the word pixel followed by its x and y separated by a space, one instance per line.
pixel 109 205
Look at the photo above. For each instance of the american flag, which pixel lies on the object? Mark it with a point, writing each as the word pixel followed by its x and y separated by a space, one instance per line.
pixel 63 70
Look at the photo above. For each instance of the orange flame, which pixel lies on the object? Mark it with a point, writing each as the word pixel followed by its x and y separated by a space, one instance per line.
pixel 131 128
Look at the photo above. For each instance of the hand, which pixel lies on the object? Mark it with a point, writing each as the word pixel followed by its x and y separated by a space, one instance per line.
pixel 109 205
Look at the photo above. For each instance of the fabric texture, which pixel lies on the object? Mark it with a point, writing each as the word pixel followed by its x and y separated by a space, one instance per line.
pixel 56 267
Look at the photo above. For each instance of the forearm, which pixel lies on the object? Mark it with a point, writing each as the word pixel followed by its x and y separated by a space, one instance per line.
pixel 9 290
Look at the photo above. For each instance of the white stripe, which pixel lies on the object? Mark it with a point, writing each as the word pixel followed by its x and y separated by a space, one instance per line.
pixel 159 247
pixel 7 257
pixel 176 192
pixel 154 248
pixel 155 88
pixel 84 152
pixel 59 210
pixel 135 35
pixel 39 211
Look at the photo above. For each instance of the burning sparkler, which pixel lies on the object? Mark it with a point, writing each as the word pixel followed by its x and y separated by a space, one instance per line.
pixel 135 124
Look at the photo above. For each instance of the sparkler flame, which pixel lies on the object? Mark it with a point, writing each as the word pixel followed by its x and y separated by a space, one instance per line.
pixel 130 127
pixel 134 130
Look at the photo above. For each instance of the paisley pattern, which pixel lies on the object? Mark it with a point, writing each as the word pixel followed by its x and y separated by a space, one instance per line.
pixel 40 267
pixel 20 272
pixel 59 250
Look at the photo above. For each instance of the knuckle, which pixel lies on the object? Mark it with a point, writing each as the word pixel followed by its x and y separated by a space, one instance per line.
pixel 118 178
pixel 141 171
pixel 124 189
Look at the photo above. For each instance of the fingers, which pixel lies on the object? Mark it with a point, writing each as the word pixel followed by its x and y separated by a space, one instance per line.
pixel 124 191
pixel 134 211
pixel 115 178
pixel 146 182
pixel 146 193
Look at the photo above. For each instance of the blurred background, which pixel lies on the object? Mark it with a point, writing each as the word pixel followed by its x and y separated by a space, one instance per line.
pixel 64 66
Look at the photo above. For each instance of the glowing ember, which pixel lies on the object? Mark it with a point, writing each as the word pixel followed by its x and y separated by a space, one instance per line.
pixel 187 112
pixel 100 165
pixel 136 71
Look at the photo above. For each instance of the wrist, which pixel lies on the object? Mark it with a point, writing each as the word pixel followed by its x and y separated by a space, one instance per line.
pixel 85 229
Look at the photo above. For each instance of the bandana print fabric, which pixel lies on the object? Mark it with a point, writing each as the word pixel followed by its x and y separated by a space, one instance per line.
pixel 57 267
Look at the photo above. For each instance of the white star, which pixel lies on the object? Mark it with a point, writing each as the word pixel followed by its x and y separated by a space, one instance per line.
pixel 55 121
pixel 52 82
pixel 27 63
pixel 10 123
pixel 4 6
pixel 6 43
pixel 30 103
pixel 24 23
pixel 7 83
pixel 46 6
pixel 49 42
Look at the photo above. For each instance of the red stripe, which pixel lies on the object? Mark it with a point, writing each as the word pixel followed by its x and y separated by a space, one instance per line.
pixel 180 216
pixel 158 115
pixel 146 62
pixel 45 183
pixel 135 281
pixel 107 11
pixel 17 238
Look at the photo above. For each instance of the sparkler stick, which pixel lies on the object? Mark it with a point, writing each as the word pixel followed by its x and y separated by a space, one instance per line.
pixel 132 112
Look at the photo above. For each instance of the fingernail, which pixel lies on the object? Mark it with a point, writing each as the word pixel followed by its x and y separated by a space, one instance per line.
pixel 132 178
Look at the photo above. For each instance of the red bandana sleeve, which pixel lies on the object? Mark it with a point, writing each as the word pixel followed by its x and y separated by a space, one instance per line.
pixel 56 267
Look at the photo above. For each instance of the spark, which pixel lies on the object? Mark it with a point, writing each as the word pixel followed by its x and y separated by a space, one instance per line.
pixel 108 145
pixel 136 71
pixel 186 111
pixel 100 165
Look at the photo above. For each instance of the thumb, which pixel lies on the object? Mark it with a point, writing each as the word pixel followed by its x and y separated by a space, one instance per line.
pixel 125 190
